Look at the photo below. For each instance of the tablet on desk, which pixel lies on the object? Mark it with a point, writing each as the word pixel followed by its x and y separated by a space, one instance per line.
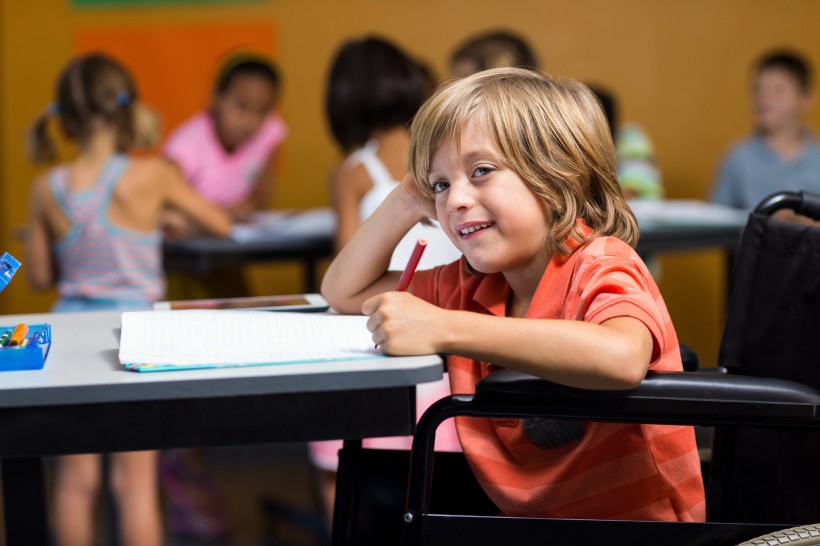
pixel 295 302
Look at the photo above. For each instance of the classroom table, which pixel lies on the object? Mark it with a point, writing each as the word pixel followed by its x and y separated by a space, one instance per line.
pixel 686 225
pixel 83 401
pixel 666 225
pixel 305 236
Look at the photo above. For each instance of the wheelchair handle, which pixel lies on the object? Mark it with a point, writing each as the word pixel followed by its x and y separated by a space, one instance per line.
pixel 802 202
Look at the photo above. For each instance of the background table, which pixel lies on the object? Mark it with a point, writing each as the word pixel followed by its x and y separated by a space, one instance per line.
pixel 84 402
pixel 670 225
pixel 666 225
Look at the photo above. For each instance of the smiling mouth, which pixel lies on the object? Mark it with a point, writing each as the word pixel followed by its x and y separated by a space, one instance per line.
pixel 472 229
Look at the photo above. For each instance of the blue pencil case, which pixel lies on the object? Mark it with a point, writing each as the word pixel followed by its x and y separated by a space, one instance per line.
pixel 33 355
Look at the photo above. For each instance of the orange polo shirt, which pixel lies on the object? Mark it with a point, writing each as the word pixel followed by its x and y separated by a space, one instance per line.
pixel 614 471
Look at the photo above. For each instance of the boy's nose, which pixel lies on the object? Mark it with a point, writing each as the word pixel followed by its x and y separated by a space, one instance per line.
pixel 460 196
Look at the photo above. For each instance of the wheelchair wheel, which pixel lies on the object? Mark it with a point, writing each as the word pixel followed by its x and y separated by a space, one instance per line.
pixel 805 535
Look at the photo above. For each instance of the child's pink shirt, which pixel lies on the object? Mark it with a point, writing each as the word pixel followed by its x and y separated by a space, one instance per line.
pixel 221 177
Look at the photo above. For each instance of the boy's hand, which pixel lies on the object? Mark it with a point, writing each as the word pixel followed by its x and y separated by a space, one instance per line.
pixel 403 324
pixel 425 206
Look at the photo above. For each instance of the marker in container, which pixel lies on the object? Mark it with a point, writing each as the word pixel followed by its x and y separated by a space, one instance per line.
pixel 4 339
pixel 36 338
pixel 19 335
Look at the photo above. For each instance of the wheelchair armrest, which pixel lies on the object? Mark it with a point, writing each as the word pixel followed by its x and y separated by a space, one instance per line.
pixel 684 398
pixel 662 397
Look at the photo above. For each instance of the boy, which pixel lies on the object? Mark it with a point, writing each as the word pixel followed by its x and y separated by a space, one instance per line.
pixel 782 154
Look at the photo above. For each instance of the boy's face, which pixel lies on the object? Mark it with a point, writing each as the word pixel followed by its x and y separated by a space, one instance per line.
pixel 240 111
pixel 778 100
pixel 486 208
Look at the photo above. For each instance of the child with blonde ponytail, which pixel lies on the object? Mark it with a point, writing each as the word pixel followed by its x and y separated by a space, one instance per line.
pixel 94 233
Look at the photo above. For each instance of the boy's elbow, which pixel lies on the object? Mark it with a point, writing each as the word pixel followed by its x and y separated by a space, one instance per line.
pixel 630 377
pixel 337 302
pixel 630 366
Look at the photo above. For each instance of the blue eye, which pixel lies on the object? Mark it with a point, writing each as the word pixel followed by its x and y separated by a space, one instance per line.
pixel 482 171
pixel 439 186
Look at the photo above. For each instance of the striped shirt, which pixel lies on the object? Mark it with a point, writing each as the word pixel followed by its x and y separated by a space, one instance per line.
pixel 96 258
pixel 609 470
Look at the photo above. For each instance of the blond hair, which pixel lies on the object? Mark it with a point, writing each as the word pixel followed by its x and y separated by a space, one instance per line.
pixel 552 133
pixel 94 88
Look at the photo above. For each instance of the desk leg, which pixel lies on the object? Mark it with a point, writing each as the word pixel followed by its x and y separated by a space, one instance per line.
pixel 24 504
pixel 346 504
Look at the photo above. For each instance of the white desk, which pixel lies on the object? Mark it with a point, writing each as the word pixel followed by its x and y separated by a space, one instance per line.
pixel 84 402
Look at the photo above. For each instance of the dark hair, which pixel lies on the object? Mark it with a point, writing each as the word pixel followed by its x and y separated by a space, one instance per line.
pixel 790 61
pixel 496 49
pixel 244 64
pixel 94 87
pixel 609 105
pixel 372 85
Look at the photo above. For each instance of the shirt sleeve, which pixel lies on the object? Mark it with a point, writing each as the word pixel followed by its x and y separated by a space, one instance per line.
pixel 273 133
pixel 619 286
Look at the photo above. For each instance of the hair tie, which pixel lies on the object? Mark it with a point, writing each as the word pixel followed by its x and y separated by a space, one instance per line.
pixel 123 98
pixel 53 110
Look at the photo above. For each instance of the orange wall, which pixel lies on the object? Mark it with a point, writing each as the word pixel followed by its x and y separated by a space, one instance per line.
pixel 680 69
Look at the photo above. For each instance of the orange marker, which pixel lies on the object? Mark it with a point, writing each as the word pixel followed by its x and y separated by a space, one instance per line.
pixel 19 335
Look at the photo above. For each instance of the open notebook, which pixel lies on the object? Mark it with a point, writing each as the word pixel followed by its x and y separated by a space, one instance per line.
pixel 172 340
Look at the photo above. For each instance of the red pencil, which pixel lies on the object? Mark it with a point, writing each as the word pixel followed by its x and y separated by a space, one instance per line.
pixel 412 264
pixel 410 270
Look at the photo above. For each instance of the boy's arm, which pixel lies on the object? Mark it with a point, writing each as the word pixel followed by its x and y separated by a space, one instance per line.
pixel 180 196
pixel 360 269
pixel 612 355
pixel 38 263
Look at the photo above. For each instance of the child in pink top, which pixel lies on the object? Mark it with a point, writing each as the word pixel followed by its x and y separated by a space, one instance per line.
pixel 227 152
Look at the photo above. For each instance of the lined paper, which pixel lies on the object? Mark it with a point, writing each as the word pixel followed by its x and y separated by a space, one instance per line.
pixel 206 338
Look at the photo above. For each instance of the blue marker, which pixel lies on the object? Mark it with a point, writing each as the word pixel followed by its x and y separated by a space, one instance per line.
pixel 38 337
pixel 8 267
pixel 34 339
